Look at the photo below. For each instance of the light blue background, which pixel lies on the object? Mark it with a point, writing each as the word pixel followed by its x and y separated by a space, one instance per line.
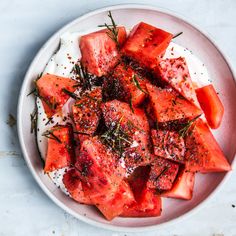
pixel 25 25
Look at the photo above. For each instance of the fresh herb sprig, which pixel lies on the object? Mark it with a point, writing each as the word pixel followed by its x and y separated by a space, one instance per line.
pixel 184 130
pixel 112 30
pixel 85 80
pixel 116 138
pixel 136 83
pixel 34 120
pixel 49 134
pixel 177 35
pixel 71 94
pixel 35 89
pixel 131 105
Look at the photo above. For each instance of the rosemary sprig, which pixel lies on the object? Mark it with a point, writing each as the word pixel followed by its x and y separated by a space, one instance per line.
pixel 116 138
pixel 49 120
pixel 112 30
pixel 34 120
pixel 183 131
pixel 49 134
pixel 177 35
pixel 83 76
pixel 131 105
pixel 136 83
pixel 86 80
pixel 73 95
pixel 157 125
pixel 35 90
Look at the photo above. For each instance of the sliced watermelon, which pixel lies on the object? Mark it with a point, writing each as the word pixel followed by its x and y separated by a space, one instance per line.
pixel 147 203
pixel 130 83
pixel 169 105
pixel 86 111
pixel 99 51
pixel 99 168
pixel 168 144
pixel 148 206
pixel 146 44
pixel 116 205
pixel 211 105
pixel 202 150
pixel 60 151
pixel 72 182
pixel 51 89
pixel 182 187
pixel 175 72
pixel 162 174
pixel 138 181
pixel 133 122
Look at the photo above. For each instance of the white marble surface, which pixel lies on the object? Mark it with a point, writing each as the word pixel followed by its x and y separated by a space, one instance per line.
pixel 25 25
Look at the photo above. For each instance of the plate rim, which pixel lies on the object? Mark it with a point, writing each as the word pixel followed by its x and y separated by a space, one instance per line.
pixel 21 138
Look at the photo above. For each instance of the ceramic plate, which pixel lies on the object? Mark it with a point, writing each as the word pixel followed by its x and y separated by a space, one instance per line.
pixel 222 78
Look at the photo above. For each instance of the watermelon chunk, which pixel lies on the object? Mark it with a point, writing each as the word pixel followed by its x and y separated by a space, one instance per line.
pixel 202 150
pixel 50 88
pixel 146 44
pixel 138 181
pixel 169 105
pixel 86 111
pixel 126 85
pixel 99 168
pixel 175 72
pixel 116 205
pixel 211 105
pixel 168 144
pixel 135 125
pixel 72 182
pixel 60 151
pixel 183 186
pixel 147 203
pixel 162 174
pixel 99 51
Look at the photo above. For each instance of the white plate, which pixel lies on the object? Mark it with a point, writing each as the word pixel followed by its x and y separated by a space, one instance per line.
pixel 222 78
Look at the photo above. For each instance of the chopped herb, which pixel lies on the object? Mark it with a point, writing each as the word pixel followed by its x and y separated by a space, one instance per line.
pixel 49 120
pixel 35 90
pixel 73 95
pixel 53 105
pixel 80 105
pixel 177 35
pixel 173 102
pixel 116 138
pixel 49 134
pixel 136 83
pixel 11 120
pixel 34 120
pixel 184 130
pixel 86 80
pixel 131 105
pixel 157 125
pixel 112 30
pixel 131 125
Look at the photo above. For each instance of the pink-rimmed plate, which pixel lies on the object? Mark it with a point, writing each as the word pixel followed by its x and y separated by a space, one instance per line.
pixel 222 78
